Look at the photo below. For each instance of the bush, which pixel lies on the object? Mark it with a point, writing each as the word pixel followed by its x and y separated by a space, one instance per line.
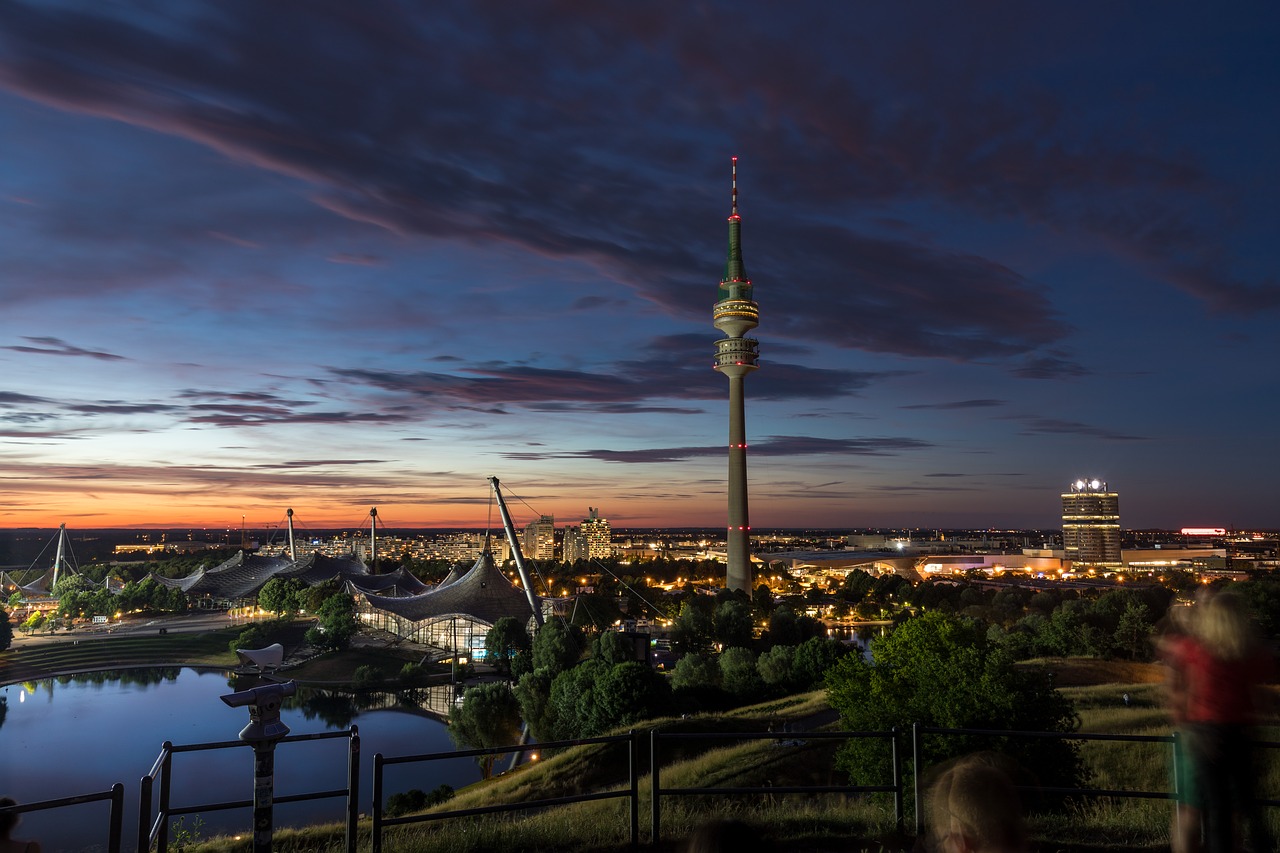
pixel 367 675
pixel 253 637
pixel 416 800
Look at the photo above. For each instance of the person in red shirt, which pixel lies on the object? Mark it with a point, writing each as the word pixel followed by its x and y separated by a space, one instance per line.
pixel 1186 833
pixel 1222 664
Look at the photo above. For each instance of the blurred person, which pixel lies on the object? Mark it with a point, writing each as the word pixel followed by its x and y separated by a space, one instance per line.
pixel 1224 662
pixel 1187 830
pixel 974 808
pixel 9 820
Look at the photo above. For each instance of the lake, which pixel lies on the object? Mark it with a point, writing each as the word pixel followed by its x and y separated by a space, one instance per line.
pixel 80 734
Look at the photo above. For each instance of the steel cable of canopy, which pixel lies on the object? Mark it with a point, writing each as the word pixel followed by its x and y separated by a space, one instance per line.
pixel 545 586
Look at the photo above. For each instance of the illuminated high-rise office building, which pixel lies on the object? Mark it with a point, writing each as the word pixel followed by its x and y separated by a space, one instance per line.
pixel 735 314
pixel 1091 524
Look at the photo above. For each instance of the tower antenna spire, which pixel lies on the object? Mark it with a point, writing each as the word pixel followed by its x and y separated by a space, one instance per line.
pixel 735 187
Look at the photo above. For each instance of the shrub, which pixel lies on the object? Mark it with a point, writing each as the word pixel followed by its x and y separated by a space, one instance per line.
pixel 253 637
pixel 367 675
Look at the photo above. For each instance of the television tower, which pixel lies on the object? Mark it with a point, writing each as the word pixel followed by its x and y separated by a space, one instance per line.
pixel 735 314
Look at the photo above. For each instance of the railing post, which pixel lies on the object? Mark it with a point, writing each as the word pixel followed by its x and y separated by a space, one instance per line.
pixel 166 772
pixel 353 789
pixel 377 802
pixel 655 789
pixel 117 818
pixel 897 781
pixel 1177 784
pixel 915 776
pixel 633 770
pixel 144 814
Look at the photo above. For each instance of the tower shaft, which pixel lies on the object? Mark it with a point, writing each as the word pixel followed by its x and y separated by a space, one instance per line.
pixel 735 314
pixel 738 550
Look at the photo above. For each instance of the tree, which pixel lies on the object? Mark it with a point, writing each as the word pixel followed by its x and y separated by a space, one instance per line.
pixel 738 674
pixel 569 704
pixel 337 624
pixel 626 693
pixel 16 600
pixel 693 629
pixel 732 623
pixel 790 629
pixel 6 631
pixel 555 647
pixel 314 597
pixel 939 670
pixel 283 596
pixel 1133 633
pixel 762 600
pixel 533 692
pixel 857 584
pixel 68 584
pixel 775 668
pixel 504 641
pixel 813 658
pixel 489 716
pixel 613 648
pixel 695 672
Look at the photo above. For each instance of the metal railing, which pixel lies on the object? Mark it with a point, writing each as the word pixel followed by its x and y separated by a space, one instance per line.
pixel 658 792
pixel 631 792
pixel 155 831
pixel 917 731
pixel 154 828
pixel 115 819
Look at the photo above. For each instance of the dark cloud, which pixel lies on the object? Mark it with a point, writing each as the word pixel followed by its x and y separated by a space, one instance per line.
pixel 54 346
pixel 265 397
pixel 612 409
pixel 1049 367
pixel 909 489
pixel 958 404
pixel 674 367
pixel 1053 426
pixel 407 125
pixel 247 417
pixel 13 398
pixel 295 464
pixel 120 408
pixel 587 303
pixel 355 259
pixel 773 446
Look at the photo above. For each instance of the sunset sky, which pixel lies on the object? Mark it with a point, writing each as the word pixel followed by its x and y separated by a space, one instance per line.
pixel 334 255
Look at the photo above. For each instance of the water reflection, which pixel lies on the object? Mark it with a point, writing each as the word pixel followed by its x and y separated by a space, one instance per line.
pixel 80 734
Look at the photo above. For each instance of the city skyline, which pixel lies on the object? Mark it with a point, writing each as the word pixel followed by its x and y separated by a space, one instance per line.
pixel 261 256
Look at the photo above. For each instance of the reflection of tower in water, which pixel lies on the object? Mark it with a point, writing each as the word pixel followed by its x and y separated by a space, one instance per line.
pixel 735 314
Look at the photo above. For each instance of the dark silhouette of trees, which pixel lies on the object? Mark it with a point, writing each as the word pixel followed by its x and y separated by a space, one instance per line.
pixel 940 670
pixel 504 641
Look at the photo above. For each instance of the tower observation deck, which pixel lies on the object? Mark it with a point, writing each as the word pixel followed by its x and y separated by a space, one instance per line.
pixel 735 314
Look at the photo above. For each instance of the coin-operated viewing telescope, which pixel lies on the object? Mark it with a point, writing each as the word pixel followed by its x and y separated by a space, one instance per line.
pixel 264 710
pixel 264 730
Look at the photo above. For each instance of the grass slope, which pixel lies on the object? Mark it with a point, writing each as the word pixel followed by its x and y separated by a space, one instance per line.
pixel 41 660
